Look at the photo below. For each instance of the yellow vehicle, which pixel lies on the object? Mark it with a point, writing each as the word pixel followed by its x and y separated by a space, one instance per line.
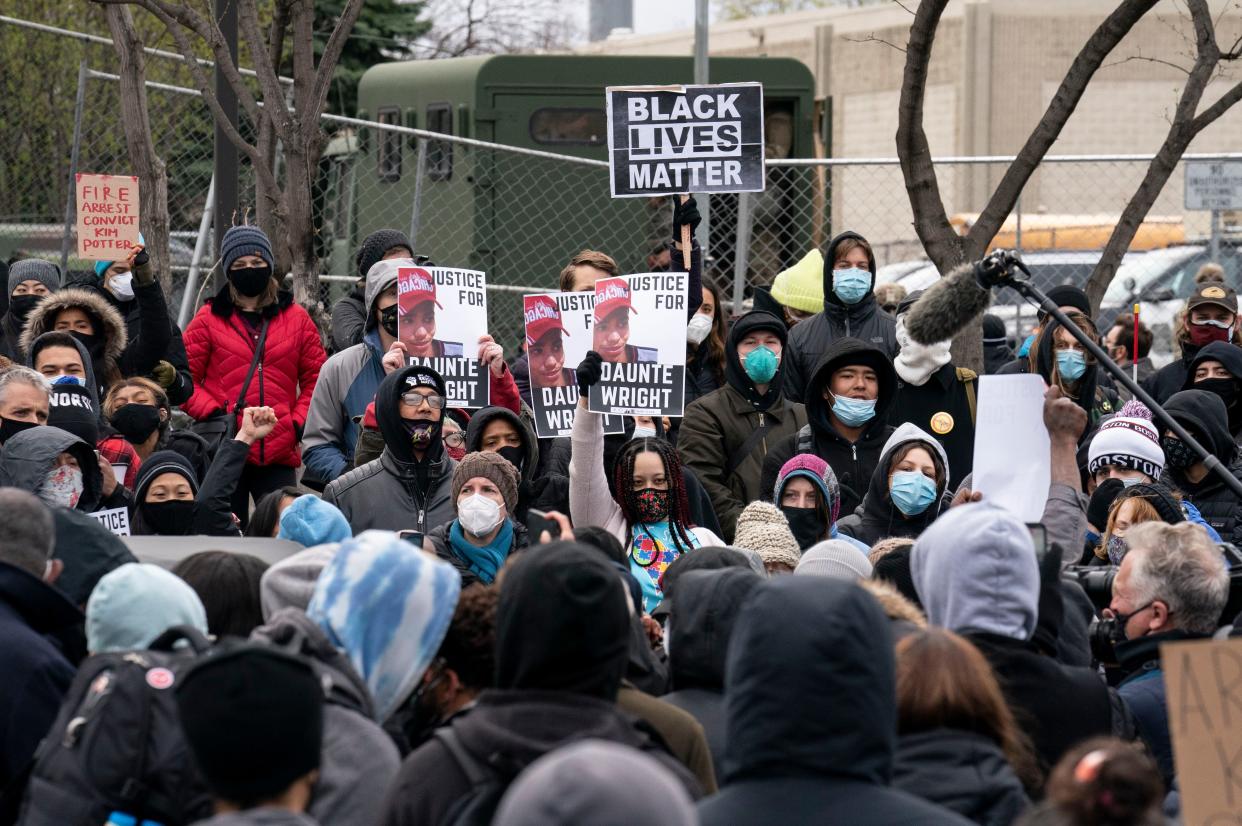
pixel 1041 232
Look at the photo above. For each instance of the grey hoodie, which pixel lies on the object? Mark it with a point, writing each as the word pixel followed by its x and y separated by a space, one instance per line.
pixel 259 817
pixel 28 456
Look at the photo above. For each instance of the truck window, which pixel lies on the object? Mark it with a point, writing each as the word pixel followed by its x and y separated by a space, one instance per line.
pixel 440 153
pixel 388 160
pixel 581 127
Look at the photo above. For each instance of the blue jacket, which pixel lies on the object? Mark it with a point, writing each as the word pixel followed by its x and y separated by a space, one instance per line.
pixel 1144 693
pixel 347 384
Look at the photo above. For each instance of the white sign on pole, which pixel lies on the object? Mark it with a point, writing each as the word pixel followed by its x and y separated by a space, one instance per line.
pixel 1213 185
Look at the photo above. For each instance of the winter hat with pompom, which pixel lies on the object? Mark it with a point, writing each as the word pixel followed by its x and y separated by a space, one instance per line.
pixel 1129 441
pixel 762 528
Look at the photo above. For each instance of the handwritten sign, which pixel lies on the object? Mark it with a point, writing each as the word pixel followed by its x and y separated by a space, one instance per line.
pixel 115 520
pixel 1009 405
pixel 1203 686
pixel 107 216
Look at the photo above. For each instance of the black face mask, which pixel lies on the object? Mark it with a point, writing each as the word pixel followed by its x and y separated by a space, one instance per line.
pixel 388 320
pixel 172 518
pixel 11 427
pixel 516 456
pixel 21 305
pixel 93 342
pixel 422 433
pixel 806 524
pixel 1177 453
pixel 136 422
pixel 1227 389
pixel 250 281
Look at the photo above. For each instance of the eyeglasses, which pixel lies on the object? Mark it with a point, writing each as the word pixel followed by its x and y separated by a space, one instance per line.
pixel 455 439
pixel 434 400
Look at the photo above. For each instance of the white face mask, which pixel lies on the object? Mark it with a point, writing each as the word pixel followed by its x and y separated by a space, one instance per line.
pixel 644 433
pixel 478 515
pixel 122 286
pixel 699 328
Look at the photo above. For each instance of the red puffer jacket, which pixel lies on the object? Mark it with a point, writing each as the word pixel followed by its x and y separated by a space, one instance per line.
pixel 220 349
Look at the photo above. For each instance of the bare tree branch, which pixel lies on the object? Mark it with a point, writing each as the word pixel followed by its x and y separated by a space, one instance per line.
pixel 1141 57
pixel 871 38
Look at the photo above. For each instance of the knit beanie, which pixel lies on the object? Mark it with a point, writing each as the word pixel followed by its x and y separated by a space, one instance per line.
pixel 376 244
pixel 245 240
pixel 71 408
pixel 894 568
pixel 137 602
pixel 490 466
pixel 994 330
pixel 34 269
pixel 290 583
pixel 1129 441
pixel 1159 497
pixel 310 521
pixel 762 528
pixel 1067 295
pixel 809 466
pixel 802 285
pixel 253 719
pixel 834 558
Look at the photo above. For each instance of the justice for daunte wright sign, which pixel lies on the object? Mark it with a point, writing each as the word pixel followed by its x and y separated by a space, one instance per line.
pixel 664 140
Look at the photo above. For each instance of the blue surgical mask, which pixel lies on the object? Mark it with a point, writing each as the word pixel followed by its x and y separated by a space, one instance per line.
pixel 1129 483
pixel 1071 364
pixel 760 364
pixel 912 492
pixel 1025 349
pixel 853 412
pixel 851 285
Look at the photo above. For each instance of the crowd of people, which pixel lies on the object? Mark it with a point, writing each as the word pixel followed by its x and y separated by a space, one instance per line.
pixel 787 606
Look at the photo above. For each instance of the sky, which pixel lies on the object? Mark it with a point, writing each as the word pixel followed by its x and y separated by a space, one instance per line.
pixel 651 16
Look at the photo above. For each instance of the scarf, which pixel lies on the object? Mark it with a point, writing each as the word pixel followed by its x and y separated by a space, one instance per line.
pixel 483 561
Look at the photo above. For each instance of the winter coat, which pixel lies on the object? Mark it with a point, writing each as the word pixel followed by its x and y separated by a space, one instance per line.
pixel 810 340
pixel 962 771
pixel 265 816
pixel 545 490
pixel 213 502
pixel 1145 371
pixel 701 378
pixel 358 760
pixel 880 518
pixel 28 456
pixel 88 551
pixel 943 406
pixel 349 320
pixel 995 357
pixel 1143 690
pixel 10 339
pixel 717 427
pixel 700 626
pixel 346 385
pixel 443 548
pixel 221 348
pixel 33 617
pixel 797 761
pixel 681 733
pixel 1204 414
pixel 395 492
pixel 107 361
pixel 1173 376
pixel 852 462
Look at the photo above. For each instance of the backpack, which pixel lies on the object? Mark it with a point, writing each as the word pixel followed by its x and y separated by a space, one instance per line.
pixel 478 806
pixel 117 743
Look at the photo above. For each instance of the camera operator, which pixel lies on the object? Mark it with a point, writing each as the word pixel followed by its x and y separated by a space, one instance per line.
pixel 1172 585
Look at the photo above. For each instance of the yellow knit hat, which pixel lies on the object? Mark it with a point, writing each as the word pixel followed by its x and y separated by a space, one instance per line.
pixel 802 285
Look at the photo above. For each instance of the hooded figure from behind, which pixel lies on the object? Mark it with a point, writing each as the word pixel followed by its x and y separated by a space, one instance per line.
pixel 1204 414
pixel 812 712
pixel 56 466
pixel 907 489
pixel 996 350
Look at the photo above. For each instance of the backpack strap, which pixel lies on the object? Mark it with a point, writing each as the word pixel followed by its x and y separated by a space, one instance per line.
pixel 969 377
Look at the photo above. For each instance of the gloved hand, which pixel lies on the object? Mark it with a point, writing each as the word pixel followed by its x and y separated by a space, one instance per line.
pixel 589 372
pixel 140 266
pixel 164 374
pixel 686 214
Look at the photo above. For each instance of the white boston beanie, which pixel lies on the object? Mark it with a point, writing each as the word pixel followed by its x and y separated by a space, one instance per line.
pixel 1130 441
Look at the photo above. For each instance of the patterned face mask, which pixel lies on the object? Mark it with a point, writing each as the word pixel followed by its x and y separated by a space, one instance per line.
pixel 63 487
pixel 652 505
pixel 1117 549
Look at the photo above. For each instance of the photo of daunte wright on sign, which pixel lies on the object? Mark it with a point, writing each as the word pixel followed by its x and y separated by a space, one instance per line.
pixel 664 140
pixel 558 336
pixel 442 313
pixel 639 332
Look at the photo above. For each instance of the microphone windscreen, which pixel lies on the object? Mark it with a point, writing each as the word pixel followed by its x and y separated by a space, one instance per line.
pixel 947 307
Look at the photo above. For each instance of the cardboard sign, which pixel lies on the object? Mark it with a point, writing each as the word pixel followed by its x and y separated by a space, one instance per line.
pixel 441 315
pixel 640 331
pixel 558 336
pixel 115 520
pixel 1203 689
pixel 664 140
pixel 107 216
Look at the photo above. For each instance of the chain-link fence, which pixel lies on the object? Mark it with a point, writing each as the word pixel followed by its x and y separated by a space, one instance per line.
pixel 520 214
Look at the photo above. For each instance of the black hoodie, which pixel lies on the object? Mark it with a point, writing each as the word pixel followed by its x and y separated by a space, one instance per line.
pixel 1205 416
pixel 852 462
pixel 812 712
pixel 1230 357
pixel 542 490
pixel 810 339
pixel 1091 395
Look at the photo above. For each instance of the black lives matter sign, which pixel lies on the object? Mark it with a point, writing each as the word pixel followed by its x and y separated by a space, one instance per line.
pixel 664 140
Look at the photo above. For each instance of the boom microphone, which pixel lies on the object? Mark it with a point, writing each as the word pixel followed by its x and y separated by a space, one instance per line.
pixel 947 307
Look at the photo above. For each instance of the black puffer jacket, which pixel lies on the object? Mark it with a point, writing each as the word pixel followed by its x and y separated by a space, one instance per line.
pixel 962 771
pixel 852 462
pixel 809 340
pixel 1205 416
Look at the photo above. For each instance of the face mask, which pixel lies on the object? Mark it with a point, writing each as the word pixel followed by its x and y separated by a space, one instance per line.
pixel 122 286
pixel 1120 621
pixel 1177 453
pixel 652 505
pixel 644 433
pixel 11 427
pixel 1117 549
pixel 912 492
pixel 136 422
pixel 62 488
pixel 478 515
pixel 853 412
pixel 421 432
pixel 1071 364
pixel 21 305
pixel 172 518
pixel 1227 389
pixel 515 456
pixel 851 285
pixel 699 328
pixel 250 281
pixel 93 342
pixel 388 320
pixel 1205 332
pixel 455 453
pixel 1129 483
pixel 806 524
pixel 1025 349
pixel 423 717
pixel 760 364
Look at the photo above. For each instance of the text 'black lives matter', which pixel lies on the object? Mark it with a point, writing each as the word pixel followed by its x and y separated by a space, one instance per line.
pixel 664 140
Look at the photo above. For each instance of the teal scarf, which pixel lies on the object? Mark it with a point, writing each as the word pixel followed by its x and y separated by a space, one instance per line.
pixel 483 561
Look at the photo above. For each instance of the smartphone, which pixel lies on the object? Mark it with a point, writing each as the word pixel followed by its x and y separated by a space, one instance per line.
pixel 413 537
pixel 537 522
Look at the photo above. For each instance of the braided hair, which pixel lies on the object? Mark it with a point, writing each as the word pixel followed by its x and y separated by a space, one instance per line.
pixel 679 521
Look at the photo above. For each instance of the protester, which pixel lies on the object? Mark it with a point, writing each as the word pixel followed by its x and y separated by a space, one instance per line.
pixel 265 521
pixel 850 311
pixel 228 585
pixel 1069 299
pixel 681 733
pixel 499 430
pixel 705 347
pixel 351 316
pixel 96 325
pixel 23 401
pixel 834 558
pixel 1063 361
pixel 58 467
pixel 29 281
pixel 808 493
pixel 725 435
pixel 890 296
pixel 847 404
pixel 252 345
pixel 134 604
pixel 996 350
pixel 484 490
pixel 139 410
pixel 1102 781
pixel 310 521
pixel 1218 369
pixel 87 551
pixel 1171 586
pixel 1204 415
pixel 762 529
pixel 1130 507
pixel 907 489
pixel 1119 343
pixel 1211 315
pixel 800 289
